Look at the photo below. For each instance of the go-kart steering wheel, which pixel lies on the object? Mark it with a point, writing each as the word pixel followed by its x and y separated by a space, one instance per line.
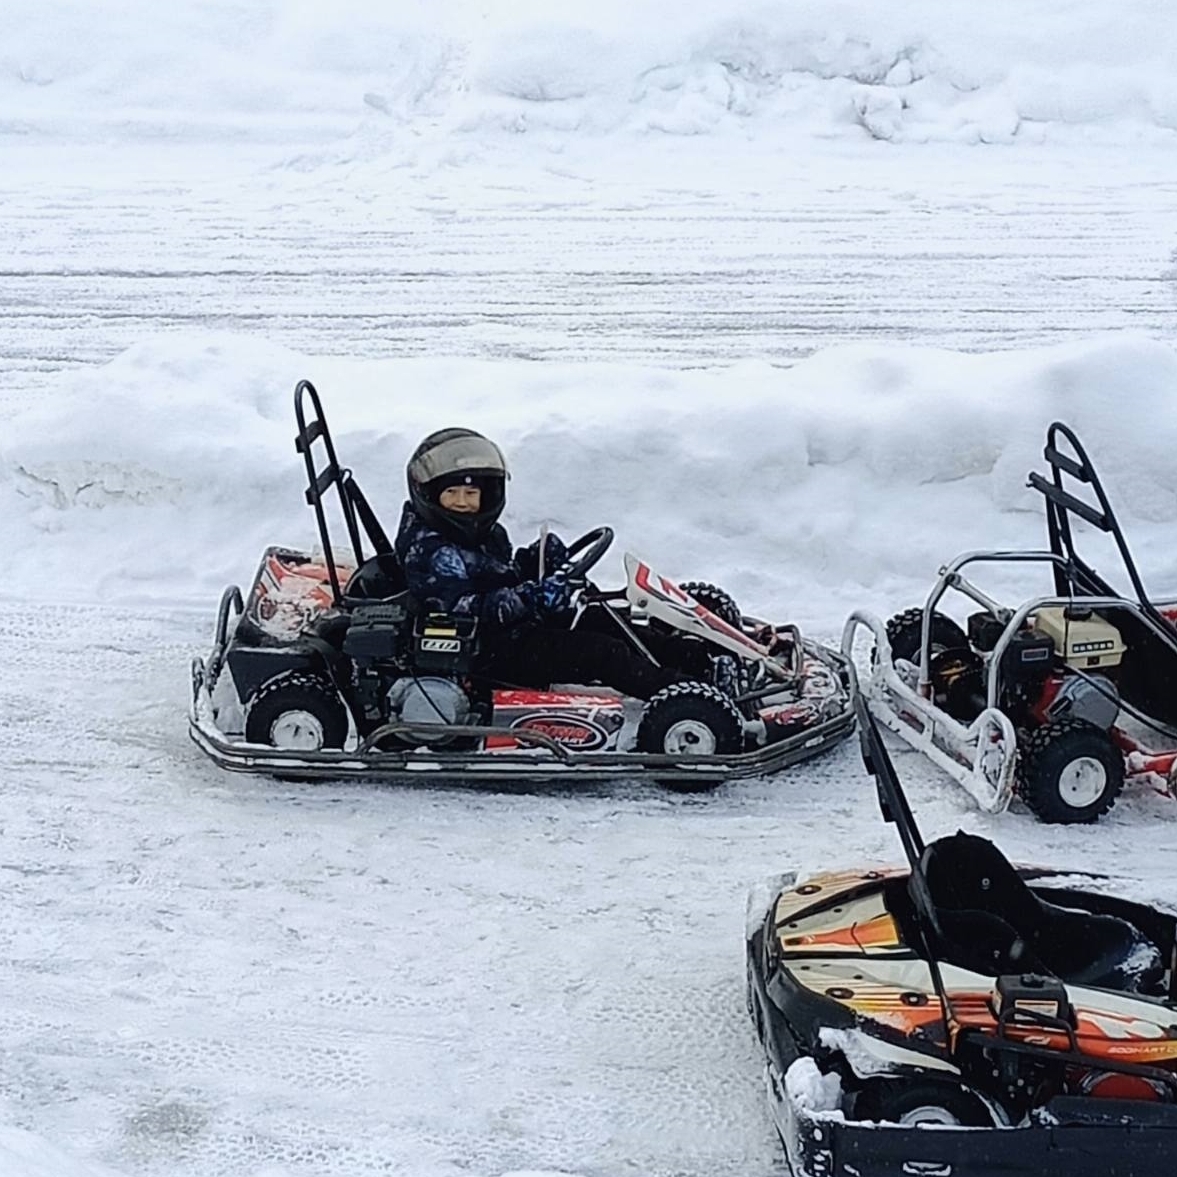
pixel 587 550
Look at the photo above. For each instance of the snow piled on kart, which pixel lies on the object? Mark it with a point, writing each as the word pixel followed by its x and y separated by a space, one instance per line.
pixel 405 77
pixel 841 482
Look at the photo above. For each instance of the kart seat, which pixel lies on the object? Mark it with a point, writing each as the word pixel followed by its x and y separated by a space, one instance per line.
pixel 989 920
pixel 376 579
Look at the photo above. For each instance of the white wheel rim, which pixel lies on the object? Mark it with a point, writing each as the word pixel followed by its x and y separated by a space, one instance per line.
pixel 297 731
pixel 689 737
pixel 1082 782
pixel 929 1114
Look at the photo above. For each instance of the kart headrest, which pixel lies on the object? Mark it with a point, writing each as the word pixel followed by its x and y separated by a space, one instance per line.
pixel 963 872
pixel 980 910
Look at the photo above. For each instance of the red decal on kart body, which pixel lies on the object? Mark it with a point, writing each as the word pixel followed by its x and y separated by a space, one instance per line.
pixel 519 697
pixel 581 723
pixel 581 734
pixel 291 589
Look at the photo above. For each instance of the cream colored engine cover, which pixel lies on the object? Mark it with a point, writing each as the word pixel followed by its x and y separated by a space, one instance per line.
pixel 1085 644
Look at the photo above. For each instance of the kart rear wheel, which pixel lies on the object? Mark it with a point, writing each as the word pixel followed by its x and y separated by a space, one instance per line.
pixel 1070 771
pixel 710 596
pixel 690 719
pixel 297 711
pixel 905 631
pixel 923 1101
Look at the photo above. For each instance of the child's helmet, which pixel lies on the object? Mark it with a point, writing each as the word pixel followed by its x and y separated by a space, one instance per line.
pixel 453 457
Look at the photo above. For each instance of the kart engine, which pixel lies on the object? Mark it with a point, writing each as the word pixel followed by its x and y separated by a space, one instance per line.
pixel 1092 648
pixel 388 659
pixel 1061 665
pixel 428 700
pixel 1082 640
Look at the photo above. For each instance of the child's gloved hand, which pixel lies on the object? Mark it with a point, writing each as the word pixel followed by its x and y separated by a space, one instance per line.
pixel 554 594
pixel 548 596
pixel 527 559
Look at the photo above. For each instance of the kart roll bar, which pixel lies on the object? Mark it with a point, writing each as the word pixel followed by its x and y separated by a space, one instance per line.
pixel 897 810
pixel 951 577
pixel 1076 573
pixel 892 799
pixel 353 504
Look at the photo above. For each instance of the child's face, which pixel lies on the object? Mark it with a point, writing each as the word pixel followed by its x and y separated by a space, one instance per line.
pixel 462 500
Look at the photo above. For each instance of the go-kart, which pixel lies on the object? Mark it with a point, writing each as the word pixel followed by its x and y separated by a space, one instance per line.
pixel 963 1015
pixel 1056 701
pixel 329 668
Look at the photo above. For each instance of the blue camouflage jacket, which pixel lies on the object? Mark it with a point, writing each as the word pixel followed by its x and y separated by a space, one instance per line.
pixel 453 577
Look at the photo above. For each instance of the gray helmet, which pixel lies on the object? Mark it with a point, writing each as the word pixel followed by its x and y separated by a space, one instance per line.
pixel 453 457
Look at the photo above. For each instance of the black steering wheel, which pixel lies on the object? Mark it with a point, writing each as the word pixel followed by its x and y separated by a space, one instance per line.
pixel 584 552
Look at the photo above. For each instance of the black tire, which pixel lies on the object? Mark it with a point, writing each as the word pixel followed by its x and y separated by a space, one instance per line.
pixel 690 719
pixel 1055 787
pixel 712 597
pixel 921 1101
pixel 905 630
pixel 301 697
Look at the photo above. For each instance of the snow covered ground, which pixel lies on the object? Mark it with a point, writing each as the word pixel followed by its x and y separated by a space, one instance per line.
pixel 786 296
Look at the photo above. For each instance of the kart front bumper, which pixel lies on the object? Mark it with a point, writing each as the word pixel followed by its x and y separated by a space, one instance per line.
pixel 1071 1136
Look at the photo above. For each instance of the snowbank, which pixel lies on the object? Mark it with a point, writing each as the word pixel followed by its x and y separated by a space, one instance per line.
pixel 287 70
pixel 842 481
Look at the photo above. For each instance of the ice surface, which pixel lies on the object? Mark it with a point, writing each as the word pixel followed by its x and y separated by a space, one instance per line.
pixel 784 293
pixel 22 1154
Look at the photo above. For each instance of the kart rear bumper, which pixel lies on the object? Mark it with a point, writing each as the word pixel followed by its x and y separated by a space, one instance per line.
pixel 981 756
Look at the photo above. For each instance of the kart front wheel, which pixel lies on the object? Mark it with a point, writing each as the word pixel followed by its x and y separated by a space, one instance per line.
pixel 1070 772
pixel 297 712
pixel 690 719
pixel 713 598
pixel 929 1101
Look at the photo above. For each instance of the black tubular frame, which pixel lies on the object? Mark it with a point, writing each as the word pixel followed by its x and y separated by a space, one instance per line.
pixel 1075 573
pixel 352 503
pixel 897 810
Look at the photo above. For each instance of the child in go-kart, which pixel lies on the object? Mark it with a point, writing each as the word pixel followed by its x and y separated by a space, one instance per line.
pixel 457 558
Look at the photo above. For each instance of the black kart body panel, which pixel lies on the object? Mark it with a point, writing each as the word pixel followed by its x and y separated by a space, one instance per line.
pixel 961 1015
pixel 1122 1142
pixel 1067 1136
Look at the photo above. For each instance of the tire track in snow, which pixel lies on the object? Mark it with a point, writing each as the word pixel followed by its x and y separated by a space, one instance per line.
pixel 694 275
